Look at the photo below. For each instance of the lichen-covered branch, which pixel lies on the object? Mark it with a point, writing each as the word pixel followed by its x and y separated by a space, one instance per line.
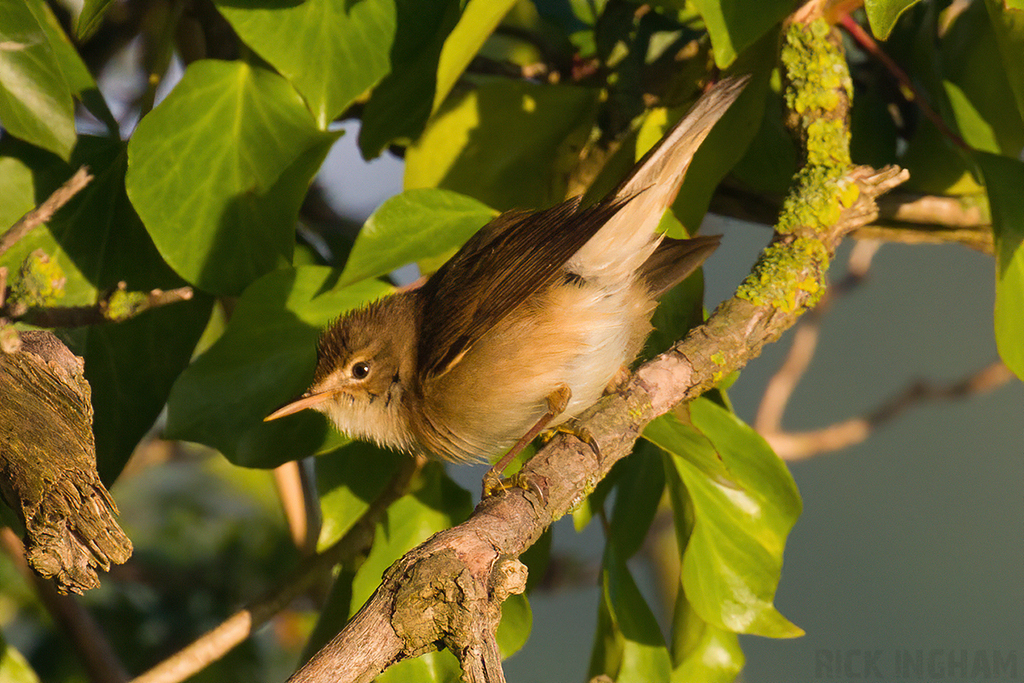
pixel 450 573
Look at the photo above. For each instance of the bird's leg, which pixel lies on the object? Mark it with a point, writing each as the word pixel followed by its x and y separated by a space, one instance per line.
pixel 493 482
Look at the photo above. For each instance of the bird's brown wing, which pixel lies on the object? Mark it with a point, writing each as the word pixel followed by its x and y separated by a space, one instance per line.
pixel 509 259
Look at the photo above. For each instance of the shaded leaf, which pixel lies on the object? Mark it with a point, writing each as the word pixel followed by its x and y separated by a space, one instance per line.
pixel 516 622
pixel 90 18
pixel 1004 180
pixel 265 357
pixel 637 495
pixel 630 646
pixel 433 667
pixel 35 102
pixel 348 480
pixel 412 226
pixel 401 103
pixel 1008 27
pixel 218 170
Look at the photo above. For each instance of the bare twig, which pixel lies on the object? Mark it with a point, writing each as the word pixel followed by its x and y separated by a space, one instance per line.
pixel 802 445
pixel 45 211
pixel 116 306
pixel 216 643
pixel 87 638
pixel 300 504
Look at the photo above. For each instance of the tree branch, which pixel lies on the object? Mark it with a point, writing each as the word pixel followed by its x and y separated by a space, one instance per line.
pixel 795 446
pixel 217 642
pixel 45 211
pixel 464 570
pixel 116 306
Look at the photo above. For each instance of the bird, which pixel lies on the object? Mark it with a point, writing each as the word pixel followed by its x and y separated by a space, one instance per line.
pixel 524 327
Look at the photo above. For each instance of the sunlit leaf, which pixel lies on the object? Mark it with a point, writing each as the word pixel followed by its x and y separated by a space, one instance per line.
pixel 218 170
pixel 701 651
pixel 348 480
pixel 13 666
pixel 1004 180
pixel 466 146
pixel 35 101
pixel 733 557
pixel 412 226
pixel 733 26
pixel 882 14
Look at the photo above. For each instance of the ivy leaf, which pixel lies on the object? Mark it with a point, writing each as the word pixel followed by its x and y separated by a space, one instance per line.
pixel 413 226
pixel 35 101
pixel 466 146
pixel 742 511
pixel 218 170
pixel 1004 178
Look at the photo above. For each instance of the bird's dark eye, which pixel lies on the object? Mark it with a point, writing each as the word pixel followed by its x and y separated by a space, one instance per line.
pixel 360 370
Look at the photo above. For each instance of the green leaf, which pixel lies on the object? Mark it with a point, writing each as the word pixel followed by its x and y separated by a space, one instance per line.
pixel 466 145
pixel 218 170
pixel 432 667
pixel 437 503
pixel 516 622
pixel 35 101
pixel 1008 26
pixel 265 357
pixel 882 14
pixel 477 23
pixel 984 109
pixel 350 41
pixel 734 26
pixel 631 647
pixel 401 103
pixel 13 666
pixel 733 557
pixel 412 226
pixel 1004 180
pixel 347 485
pixel 700 651
pixel 90 18
pixel 637 495
pixel 98 241
pixel 76 73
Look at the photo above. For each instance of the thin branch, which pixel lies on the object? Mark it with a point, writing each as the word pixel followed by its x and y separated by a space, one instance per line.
pixel 87 638
pixel 117 306
pixel 795 446
pixel 44 212
pixel 910 91
pixel 216 643
pixel 301 506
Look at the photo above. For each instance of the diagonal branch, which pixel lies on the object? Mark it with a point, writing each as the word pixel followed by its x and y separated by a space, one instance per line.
pixel 44 212
pixel 425 597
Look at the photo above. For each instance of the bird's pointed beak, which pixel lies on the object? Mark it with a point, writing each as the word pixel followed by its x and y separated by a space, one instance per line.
pixel 301 403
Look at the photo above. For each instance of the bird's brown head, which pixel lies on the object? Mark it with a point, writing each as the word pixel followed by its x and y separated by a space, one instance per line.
pixel 364 370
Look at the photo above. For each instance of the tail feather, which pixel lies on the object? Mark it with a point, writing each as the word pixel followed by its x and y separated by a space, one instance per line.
pixel 629 238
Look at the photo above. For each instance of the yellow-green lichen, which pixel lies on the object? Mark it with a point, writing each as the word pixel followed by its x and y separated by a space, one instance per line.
pixel 123 304
pixel 816 76
pixel 39 282
pixel 787 276
pixel 815 68
pixel 718 358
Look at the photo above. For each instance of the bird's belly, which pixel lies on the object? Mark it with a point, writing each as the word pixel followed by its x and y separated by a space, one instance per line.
pixel 576 336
